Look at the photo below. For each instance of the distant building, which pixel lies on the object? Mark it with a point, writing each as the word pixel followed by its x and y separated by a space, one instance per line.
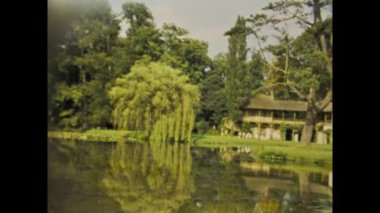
pixel 283 120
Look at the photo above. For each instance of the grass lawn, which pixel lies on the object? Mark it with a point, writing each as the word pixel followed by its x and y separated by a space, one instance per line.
pixel 293 151
pixel 95 135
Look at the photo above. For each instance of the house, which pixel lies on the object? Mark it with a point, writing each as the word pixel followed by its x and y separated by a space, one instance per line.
pixel 283 120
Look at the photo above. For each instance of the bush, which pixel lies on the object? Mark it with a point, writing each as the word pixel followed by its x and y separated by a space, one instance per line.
pixel 213 132
pixel 202 127
pixel 273 157
pixel 245 127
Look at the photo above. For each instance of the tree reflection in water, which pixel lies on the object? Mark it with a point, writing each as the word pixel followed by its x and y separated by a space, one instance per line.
pixel 283 187
pixel 164 177
pixel 151 177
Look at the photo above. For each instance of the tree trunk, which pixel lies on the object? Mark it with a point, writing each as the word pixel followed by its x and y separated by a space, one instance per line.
pixel 81 69
pixel 311 116
pixel 307 131
pixel 84 78
pixel 304 186
pixel 317 11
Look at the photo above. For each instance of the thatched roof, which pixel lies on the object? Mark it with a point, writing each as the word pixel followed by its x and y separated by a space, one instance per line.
pixel 267 102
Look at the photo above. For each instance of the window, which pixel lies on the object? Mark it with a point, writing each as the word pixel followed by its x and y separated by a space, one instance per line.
pixel 251 112
pixel 266 113
pixel 254 112
pixel 277 114
pixel 288 115
pixel 300 115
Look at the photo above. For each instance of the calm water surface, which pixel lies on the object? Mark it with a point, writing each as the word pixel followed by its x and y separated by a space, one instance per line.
pixel 123 177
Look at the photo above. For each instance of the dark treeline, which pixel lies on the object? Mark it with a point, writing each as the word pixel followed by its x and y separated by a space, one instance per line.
pixel 87 55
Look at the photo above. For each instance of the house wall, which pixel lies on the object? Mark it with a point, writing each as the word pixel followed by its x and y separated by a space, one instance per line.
pixel 320 137
pixel 330 179
pixel 255 133
pixel 265 117
pixel 276 134
pixel 331 137
pixel 296 137
pixel 266 134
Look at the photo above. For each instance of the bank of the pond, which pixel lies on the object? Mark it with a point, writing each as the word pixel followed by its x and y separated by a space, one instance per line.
pixel 271 150
pixel 96 135
pixel 267 150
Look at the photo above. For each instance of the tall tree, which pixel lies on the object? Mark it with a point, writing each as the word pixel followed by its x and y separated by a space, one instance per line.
pixel 138 15
pixel 303 65
pixel 238 80
pixel 213 102
pixel 143 38
pixel 86 65
pixel 256 71
pixel 187 54
pixel 90 56
pixel 60 18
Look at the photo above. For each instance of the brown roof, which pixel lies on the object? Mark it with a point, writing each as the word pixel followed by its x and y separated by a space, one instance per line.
pixel 267 102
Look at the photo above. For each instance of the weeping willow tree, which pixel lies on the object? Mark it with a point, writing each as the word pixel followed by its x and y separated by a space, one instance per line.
pixel 156 99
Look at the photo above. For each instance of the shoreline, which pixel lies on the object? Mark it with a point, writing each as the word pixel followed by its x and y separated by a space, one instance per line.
pixel 272 151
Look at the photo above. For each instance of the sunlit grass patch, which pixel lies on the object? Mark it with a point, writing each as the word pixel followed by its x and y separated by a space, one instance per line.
pixel 272 150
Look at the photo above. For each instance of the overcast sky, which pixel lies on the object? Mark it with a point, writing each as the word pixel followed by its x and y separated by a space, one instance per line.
pixel 204 19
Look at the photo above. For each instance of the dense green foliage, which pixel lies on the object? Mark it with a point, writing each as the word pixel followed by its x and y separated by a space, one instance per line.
pixel 238 80
pixel 87 55
pixel 157 99
pixel 158 83
pixel 213 100
pixel 242 76
pixel 84 70
pixel 301 67
pixel 91 56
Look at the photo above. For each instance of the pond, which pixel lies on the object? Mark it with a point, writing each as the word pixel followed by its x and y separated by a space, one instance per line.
pixel 162 177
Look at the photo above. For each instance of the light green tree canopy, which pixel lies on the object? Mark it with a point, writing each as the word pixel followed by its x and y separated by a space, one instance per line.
pixel 156 99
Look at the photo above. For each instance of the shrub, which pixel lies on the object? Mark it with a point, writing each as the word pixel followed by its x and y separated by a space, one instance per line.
pixel 202 127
